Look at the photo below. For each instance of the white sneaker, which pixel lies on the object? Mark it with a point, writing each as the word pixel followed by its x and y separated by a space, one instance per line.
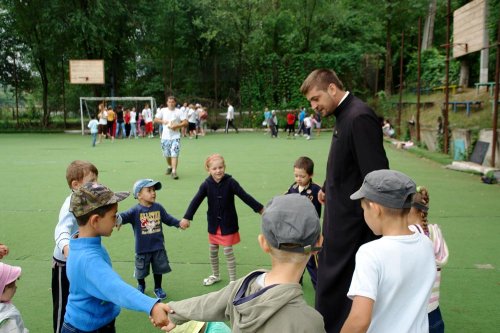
pixel 308 137
pixel 211 280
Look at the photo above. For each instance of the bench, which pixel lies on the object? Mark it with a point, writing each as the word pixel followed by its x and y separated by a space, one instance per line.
pixel 489 87
pixel 467 105
pixel 423 90
pixel 405 104
pixel 452 87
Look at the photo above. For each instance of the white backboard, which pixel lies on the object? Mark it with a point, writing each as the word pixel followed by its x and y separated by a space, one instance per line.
pixel 86 71
pixel 469 28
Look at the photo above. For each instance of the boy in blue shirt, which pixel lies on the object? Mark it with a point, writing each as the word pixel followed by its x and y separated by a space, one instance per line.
pixel 96 290
pixel 146 218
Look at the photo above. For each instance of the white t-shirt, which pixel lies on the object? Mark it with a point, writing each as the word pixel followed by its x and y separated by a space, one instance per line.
pixel 174 116
pixel 230 112
pixel 147 115
pixel 103 119
pixel 192 116
pixel 133 115
pixel 397 272
pixel 308 122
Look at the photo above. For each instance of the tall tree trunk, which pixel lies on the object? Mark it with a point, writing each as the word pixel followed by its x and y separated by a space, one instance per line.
pixel 388 61
pixel 428 36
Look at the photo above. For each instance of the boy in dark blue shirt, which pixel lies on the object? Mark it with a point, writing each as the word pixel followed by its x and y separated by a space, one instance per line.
pixel 146 218
pixel 303 171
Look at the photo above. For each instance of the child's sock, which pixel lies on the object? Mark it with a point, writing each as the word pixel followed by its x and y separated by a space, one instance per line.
pixel 231 262
pixel 157 278
pixel 214 259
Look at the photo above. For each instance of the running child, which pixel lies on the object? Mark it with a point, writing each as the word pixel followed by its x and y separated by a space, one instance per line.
pixel 220 189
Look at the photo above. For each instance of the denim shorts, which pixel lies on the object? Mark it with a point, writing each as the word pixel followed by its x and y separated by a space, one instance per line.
pixel 109 328
pixel 158 261
pixel 171 148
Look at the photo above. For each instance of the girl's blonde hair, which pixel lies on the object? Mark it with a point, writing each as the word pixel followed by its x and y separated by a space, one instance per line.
pixel 214 157
pixel 421 203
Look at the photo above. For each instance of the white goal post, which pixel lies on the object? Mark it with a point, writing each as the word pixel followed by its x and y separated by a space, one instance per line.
pixel 151 100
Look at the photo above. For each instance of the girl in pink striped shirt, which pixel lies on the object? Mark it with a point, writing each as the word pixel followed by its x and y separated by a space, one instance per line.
pixel 417 221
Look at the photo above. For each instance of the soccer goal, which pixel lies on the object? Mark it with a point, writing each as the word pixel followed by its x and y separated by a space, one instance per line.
pixel 83 104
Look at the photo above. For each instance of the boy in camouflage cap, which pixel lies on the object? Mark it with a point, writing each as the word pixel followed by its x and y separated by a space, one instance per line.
pixel 96 291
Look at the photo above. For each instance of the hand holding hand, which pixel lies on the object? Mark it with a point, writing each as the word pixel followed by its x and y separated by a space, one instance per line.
pixel 321 197
pixel 184 224
pixel 159 315
pixel 4 250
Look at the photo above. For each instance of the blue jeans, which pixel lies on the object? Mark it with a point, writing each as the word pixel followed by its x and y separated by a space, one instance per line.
pixel 133 130
pixel 109 328
pixel 122 126
pixel 94 137
pixel 436 323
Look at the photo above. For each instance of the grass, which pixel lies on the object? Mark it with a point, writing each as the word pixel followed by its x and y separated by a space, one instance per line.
pixel 34 187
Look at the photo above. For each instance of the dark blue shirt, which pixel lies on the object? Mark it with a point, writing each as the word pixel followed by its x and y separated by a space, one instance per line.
pixel 310 191
pixel 146 222
pixel 221 210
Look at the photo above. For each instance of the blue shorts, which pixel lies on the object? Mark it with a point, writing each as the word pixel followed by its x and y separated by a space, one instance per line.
pixel 158 260
pixel 171 148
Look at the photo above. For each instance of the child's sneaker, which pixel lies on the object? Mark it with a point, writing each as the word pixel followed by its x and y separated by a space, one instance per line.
pixel 160 293
pixel 141 288
pixel 211 280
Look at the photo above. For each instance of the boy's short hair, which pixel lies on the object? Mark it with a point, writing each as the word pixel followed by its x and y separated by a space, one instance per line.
pixel 142 183
pixel 78 169
pixel 389 188
pixel 92 196
pixel 290 223
pixel 305 163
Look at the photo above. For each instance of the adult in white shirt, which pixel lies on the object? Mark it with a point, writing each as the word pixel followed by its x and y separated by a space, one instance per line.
pixel 172 120
pixel 230 117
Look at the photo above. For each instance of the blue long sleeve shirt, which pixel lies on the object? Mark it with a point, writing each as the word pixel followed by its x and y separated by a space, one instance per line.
pixel 96 291
pixel 147 225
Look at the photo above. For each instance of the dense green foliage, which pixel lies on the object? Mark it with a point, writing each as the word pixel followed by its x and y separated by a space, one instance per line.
pixel 254 52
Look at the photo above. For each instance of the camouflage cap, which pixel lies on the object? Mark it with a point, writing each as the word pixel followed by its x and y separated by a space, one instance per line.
pixel 92 196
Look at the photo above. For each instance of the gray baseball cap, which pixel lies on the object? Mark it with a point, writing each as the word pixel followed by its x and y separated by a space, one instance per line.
pixel 388 188
pixel 142 183
pixel 291 223
pixel 92 196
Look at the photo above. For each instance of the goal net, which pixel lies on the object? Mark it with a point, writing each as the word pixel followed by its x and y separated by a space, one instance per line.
pixel 84 108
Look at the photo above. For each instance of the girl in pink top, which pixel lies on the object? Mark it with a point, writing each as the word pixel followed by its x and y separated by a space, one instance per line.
pixel 417 221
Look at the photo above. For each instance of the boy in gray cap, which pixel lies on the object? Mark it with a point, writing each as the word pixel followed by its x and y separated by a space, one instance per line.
pixel 96 291
pixel 392 281
pixel 267 301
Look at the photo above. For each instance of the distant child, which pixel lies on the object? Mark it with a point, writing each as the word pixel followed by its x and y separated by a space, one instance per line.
pixel 308 125
pixel 4 250
pixel 77 173
pixel 93 126
pixel 418 222
pixel 220 189
pixel 273 124
pixel 146 218
pixel 290 123
pixel 303 171
pixel 267 301
pixel 133 124
pixel 10 318
pixel 96 291
pixel 392 281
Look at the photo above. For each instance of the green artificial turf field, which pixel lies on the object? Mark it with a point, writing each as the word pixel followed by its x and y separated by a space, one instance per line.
pixel 34 187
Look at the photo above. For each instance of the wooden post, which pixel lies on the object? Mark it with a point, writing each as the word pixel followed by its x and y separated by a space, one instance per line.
pixel 495 100
pixel 419 52
pixel 400 105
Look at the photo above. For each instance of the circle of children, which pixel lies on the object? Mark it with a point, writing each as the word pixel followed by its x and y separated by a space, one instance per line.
pixel 123 122
pixel 88 293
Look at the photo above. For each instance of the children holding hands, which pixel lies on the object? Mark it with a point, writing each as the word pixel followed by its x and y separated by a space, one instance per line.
pixel 267 301
pixel 220 189
pixel 146 218
pixel 96 291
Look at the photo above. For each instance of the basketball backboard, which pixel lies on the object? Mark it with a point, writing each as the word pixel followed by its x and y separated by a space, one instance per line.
pixel 86 71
